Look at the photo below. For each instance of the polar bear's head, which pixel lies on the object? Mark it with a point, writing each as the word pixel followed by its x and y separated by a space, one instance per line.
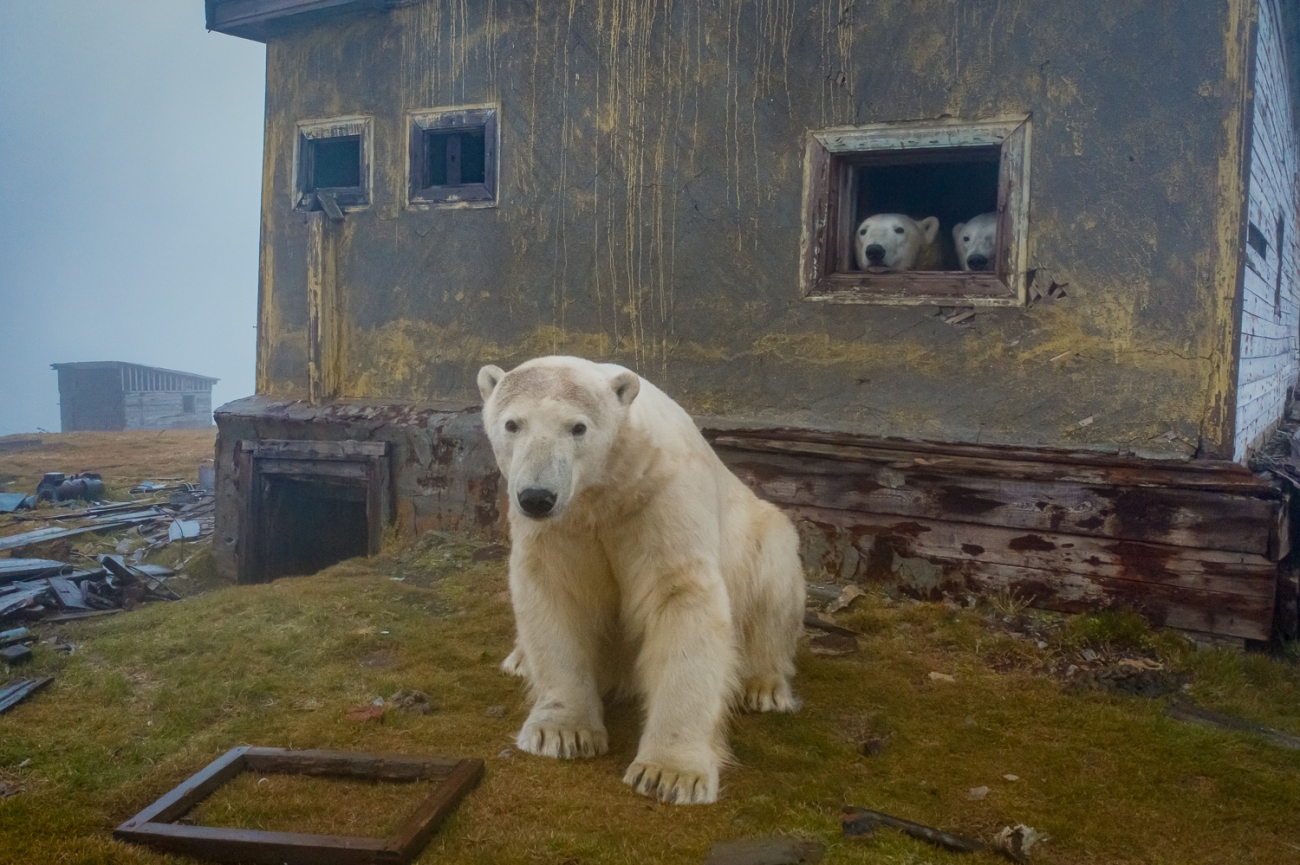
pixel 893 240
pixel 976 241
pixel 552 422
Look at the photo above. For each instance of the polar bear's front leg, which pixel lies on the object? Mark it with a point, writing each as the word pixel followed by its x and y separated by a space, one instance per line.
pixel 687 672
pixel 557 645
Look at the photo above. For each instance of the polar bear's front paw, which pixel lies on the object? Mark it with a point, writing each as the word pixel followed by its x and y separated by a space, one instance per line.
pixel 769 695
pixel 514 663
pixel 565 743
pixel 673 785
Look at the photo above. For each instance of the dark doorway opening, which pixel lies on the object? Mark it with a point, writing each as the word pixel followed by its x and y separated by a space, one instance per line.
pixel 312 524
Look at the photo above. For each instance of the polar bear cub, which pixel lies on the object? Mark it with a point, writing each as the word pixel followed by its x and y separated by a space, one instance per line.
pixel 976 241
pixel 897 242
pixel 639 565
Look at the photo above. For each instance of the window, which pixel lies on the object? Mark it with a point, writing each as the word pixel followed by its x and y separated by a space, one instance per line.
pixel 1277 283
pixel 187 403
pixel 453 157
pixel 950 171
pixel 332 159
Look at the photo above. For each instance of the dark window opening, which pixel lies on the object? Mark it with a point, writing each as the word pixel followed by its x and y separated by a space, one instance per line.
pixel 187 404
pixel 951 185
pixel 312 524
pixel 335 163
pixel 455 158
pixel 1255 239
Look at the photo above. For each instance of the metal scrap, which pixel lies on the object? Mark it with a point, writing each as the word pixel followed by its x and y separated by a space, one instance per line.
pixel 13 542
pixel 15 692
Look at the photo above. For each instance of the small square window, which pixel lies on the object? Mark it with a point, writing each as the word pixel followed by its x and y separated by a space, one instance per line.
pixel 923 180
pixel 333 158
pixel 453 157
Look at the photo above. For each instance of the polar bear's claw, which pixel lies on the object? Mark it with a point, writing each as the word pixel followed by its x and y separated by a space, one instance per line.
pixel 562 743
pixel 769 696
pixel 514 663
pixel 672 786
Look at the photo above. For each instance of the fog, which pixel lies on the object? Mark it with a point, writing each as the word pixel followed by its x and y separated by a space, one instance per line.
pixel 130 174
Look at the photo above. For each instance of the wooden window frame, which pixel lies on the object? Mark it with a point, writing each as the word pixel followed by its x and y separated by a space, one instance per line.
pixel 155 826
pixel 825 247
pixel 347 197
pixel 420 195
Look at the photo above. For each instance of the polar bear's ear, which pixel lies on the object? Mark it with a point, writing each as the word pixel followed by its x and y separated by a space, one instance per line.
pixel 626 386
pixel 488 378
pixel 930 228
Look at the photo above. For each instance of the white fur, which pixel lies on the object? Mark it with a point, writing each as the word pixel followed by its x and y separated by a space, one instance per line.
pixel 977 237
pixel 658 573
pixel 906 242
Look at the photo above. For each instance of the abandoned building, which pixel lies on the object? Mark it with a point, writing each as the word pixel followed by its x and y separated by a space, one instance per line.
pixel 112 395
pixel 674 187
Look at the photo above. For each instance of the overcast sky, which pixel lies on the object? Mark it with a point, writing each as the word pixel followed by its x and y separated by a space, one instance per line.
pixel 130 172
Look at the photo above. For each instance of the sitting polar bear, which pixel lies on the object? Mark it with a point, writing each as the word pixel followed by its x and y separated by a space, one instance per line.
pixel 897 242
pixel 976 241
pixel 640 565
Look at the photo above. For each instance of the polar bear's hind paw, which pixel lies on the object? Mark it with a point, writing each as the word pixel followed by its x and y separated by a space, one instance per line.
pixel 671 785
pixel 563 743
pixel 763 695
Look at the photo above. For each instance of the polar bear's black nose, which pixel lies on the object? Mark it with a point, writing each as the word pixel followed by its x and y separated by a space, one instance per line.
pixel 875 252
pixel 536 502
pixel 978 262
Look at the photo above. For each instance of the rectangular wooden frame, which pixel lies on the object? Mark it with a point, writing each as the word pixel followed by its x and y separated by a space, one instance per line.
pixel 421 197
pixel 365 463
pixel 824 241
pixel 154 827
pixel 349 197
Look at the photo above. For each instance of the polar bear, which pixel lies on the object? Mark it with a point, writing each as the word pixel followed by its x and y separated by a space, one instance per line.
pixel 976 241
pixel 897 242
pixel 639 565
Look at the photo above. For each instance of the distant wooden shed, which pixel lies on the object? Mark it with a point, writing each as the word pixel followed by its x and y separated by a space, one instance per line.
pixel 113 395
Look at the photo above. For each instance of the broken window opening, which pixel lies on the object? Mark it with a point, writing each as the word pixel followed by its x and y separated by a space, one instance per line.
pixel 883 202
pixel 1255 240
pixel 187 404
pixel 453 157
pixel 312 524
pixel 335 163
pixel 333 158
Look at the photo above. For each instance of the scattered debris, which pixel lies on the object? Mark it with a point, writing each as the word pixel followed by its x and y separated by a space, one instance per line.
pixel 15 692
pixel 1180 711
pixel 977 794
pixel 491 553
pixel 845 600
pixel 955 843
pixel 366 714
pixel 17 635
pixel 960 317
pixel 495 711
pixel 1016 843
pixel 1011 777
pixel 942 677
pixel 10 502
pixel 57 487
pixel 13 542
pixel 857 826
pixel 873 747
pixel 833 644
pixel 415 702
pixel 183 529
pixel 815 620
pixel 16 654
pixel 1137 677
pixel 823 592
pixel 765 851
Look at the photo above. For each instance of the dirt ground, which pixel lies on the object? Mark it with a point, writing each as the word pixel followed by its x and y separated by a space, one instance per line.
pixel 1061 719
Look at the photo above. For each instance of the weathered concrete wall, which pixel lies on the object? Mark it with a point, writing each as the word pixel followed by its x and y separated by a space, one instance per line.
pixel 651 172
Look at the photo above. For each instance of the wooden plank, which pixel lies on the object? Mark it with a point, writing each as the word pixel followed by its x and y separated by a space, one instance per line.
pixel 1003 462
pixel 410 839
pixel 268 848
pixel 1175 588
pixel 343 764
pixel 318 450
pixel 189 793
pixel 1194 518
pixel 814 243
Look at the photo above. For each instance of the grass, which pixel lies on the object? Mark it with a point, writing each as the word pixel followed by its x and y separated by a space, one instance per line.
pixel 148 697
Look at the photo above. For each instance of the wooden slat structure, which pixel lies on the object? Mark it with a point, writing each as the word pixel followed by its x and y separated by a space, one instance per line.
pixel 154 827
pixel 1194 545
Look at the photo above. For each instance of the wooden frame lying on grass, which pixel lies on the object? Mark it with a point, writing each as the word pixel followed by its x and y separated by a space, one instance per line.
pixel 153 826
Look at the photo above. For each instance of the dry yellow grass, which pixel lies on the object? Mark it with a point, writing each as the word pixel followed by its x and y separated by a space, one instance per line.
pixel 151 696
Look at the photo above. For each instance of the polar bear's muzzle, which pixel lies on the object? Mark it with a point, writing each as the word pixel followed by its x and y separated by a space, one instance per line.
pixel 536 502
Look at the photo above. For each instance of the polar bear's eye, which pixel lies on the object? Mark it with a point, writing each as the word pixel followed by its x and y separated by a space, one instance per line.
pixel 511 426
pixel 966 239
pixel 863 232
pixel 898 230
pixel 579 429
